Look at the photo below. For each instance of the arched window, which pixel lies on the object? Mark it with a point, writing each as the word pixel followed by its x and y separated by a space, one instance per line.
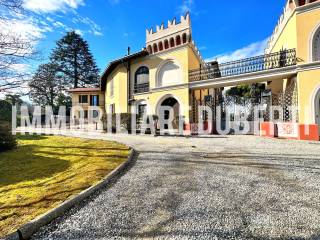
pixel 178 40
pixel 141 80
pixel 169 74
pixel 150 49
pixel 171 42
pixel 160 46
pixel 316 46
pixel 155 48
pixel 184 38
pixel 166 44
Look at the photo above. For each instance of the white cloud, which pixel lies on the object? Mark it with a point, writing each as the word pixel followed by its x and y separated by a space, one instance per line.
pixel 186 6
pixel 47 6
pixel 254 49
pixel 26 29
pixel 97 33
pixel 94 28
pixel 78 31
pixel 50 19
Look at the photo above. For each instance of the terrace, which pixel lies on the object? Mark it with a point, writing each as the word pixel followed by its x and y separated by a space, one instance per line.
pixel 214 71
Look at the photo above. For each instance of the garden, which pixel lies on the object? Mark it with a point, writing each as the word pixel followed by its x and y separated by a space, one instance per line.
pixel 41 172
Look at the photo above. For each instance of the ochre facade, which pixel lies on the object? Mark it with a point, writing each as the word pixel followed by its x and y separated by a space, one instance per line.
pixel 170 70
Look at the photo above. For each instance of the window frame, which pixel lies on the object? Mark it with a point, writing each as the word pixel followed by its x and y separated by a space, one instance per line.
pixel 82 97
pixel 315 46
pixel 97 101
pixel 142 87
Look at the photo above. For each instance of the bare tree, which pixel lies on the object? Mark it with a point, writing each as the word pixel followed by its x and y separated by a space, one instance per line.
pixel 15 50
pixel 12 5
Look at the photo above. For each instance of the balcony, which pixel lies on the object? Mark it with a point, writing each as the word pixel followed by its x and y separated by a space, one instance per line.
pixel 141 88
pixel 213 70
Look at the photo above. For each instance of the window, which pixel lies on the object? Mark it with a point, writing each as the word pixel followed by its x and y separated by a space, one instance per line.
pixel 155 48
pixel 141 81
pixel 94 100
pixel 95 113
pixel 112 109
pixel 166 44
pixel 184 38
pixel 160 46
pixel 171 42
pixel 85 114
pixel 316 46
pixel 178 40
pixel 141 110
pixel 83 98
pixel 111 87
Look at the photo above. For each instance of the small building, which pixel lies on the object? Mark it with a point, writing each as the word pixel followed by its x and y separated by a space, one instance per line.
pixel 85 98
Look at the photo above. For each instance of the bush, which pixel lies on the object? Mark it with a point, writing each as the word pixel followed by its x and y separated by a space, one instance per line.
pixel 5 111
pixel 7 140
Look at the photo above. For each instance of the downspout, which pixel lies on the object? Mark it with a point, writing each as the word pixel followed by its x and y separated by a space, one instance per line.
pixel 128 68
pixel 128 82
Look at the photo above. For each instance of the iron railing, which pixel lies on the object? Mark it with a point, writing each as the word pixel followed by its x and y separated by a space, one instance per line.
pixel 284 58
pixel 141 88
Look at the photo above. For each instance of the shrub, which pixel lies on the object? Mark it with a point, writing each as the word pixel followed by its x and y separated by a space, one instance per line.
pixel 7 140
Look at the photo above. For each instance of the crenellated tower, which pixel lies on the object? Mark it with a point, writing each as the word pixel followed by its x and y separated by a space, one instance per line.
pixel 174 35
pixel 288 11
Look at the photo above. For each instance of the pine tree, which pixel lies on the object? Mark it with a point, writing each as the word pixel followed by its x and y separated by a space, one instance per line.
pixel 46 85
pixel 75 62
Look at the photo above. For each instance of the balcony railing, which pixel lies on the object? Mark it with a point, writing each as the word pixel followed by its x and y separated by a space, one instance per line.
pixel 141 88
pixel 276 60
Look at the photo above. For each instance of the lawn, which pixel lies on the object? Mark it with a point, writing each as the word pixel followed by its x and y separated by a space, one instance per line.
pixel 44 171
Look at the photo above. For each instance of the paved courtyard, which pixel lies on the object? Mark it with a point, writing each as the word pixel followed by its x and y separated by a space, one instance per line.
pixel 234 187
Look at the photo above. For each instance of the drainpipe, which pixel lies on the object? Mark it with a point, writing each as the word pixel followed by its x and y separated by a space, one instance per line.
pixel 129 82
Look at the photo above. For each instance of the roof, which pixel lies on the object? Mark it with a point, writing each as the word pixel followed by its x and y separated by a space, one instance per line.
pixel 84 90
pixel 112 65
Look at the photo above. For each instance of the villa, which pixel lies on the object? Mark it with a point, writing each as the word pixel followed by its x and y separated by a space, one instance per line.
pixel 171 72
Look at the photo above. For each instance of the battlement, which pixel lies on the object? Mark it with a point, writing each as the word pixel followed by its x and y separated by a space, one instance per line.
pixel 174 35
pixel 172 28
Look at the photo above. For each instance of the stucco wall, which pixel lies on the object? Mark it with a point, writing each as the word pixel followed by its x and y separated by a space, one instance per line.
pixel 308 83
pixel 288 38
pixel 119 98
pixel 307 23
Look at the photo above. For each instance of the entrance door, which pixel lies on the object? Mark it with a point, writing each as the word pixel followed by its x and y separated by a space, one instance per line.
pixel 172 102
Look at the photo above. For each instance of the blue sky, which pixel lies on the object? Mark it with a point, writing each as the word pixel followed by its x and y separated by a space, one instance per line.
pixel 223 29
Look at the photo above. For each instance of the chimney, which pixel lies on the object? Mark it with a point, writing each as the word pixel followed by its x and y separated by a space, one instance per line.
pixel 128 51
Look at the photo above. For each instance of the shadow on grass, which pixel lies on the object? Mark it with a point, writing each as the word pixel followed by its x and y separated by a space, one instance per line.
pixel 24 165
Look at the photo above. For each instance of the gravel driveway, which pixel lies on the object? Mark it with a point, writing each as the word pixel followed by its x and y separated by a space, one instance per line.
pixel 235 187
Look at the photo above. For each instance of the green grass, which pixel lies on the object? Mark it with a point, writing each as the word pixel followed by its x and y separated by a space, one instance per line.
pixel 44 171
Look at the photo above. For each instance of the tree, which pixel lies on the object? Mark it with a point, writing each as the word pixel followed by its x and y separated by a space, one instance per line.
pixel 14 99
pixel 63 100
pixel 15 50
pixel 46 85
pixel 75 62
pixel 13 5
pixel 247 91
